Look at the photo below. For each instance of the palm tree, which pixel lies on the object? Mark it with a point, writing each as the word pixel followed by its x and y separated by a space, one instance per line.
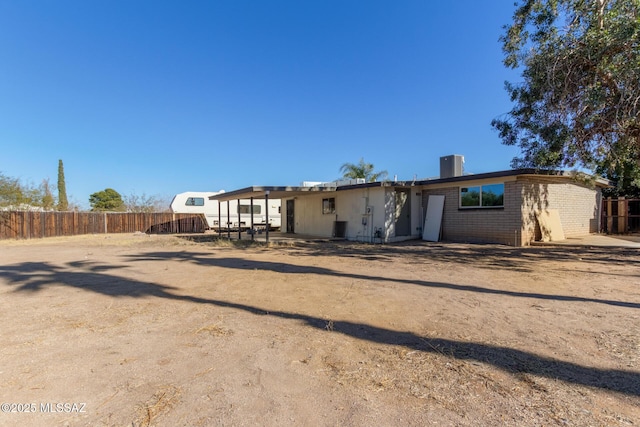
pixel 362 170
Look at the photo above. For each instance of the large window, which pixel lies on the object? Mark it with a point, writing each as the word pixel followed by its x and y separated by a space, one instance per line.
pixel 482 196
pixel 195 201
pixel 246 209
pixel 329 205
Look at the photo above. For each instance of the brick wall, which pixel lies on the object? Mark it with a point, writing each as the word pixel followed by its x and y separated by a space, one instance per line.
pixel 500 225
pixel 578 206
pixel 515 224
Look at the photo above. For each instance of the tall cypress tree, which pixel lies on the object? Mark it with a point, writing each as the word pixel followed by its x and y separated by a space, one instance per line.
pixel 63 203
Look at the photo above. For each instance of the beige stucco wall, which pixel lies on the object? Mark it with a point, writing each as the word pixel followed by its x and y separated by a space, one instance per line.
pixel 308 217
pixel 416 219
pixel 351 206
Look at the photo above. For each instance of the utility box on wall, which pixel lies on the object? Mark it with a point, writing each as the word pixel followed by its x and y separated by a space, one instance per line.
pixel 451 166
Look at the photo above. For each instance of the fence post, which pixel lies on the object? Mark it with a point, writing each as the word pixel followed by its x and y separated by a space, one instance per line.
pixel 609 216
pixel 622 215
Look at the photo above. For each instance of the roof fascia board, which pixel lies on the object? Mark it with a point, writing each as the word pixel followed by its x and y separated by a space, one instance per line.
pixel 480 176
pixel 470 182
pixel 273 191
pixel 376 184
pixel 518 173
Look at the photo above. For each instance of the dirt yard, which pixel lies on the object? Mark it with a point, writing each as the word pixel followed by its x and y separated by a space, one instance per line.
pixel 143 330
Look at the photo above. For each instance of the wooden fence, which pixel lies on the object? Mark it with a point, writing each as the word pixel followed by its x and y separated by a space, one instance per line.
pixel 30 225
pixel 620 216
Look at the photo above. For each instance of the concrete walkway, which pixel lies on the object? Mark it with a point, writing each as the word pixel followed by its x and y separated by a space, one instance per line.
pixel 596 240
pixel 601 240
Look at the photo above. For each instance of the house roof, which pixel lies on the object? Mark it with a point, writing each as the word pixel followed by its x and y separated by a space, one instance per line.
pixel 479 176
pixel 601 182
pixel 279 192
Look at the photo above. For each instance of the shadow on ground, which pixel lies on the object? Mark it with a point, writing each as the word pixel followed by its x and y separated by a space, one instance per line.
pixel 33 277
pixel 482 255
pixel 205 259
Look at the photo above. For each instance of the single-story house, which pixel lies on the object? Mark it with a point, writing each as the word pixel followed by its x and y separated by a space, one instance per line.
pixel 508 207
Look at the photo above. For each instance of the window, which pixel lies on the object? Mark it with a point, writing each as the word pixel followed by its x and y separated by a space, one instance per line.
pixel 482 196
pixel 195 201
pixel 469 197
pixel 246 209
pixel 329 206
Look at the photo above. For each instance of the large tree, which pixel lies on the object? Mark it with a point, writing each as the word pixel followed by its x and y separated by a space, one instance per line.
pixel 579 102
pixel 16 195
pixel 107 200
pixel 11 192
pixel 362 170
pixel 144 203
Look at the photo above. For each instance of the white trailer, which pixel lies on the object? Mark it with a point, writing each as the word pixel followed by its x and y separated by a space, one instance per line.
pixel 199 203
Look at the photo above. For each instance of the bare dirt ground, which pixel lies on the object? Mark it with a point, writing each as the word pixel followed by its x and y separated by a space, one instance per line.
pixel 143 330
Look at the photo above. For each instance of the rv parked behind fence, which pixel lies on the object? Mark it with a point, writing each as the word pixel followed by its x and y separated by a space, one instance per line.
pixel 199 203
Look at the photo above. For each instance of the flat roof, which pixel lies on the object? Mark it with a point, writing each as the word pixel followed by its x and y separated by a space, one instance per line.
pixel 498 174
pixel 279 192
pixel 275 192
pixel 513 172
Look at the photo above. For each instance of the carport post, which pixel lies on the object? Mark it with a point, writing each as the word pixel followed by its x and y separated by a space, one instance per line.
pixel 228 221
pixel 251 207
pixel 266 200
pixel 219 219
pixel 239 225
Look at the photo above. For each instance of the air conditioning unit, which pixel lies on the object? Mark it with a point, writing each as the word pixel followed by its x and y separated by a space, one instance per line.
pixel 451 166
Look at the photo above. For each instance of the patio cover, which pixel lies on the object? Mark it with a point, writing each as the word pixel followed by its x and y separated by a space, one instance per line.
pixel 274 192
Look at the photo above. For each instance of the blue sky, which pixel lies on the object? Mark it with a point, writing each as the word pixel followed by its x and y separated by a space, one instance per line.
pixel 159 97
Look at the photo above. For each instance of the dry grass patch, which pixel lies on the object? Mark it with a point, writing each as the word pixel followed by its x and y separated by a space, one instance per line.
pixel 159 404
pixel 214 329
